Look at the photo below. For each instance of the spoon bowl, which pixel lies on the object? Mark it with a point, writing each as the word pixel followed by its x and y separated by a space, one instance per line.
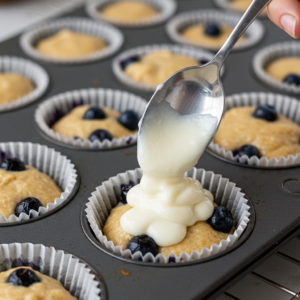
pixel 193 90
pixel 199 90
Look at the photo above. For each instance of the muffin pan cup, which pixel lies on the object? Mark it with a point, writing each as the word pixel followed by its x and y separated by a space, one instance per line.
pixel 111 35
pixel 166 9
pixel 48 161
pixel 197 54
pixel 29 69
pixel 225 193
pixel 270 53
pixel 61 104
pixel 75 275
pixel 183 20
pixel 287 106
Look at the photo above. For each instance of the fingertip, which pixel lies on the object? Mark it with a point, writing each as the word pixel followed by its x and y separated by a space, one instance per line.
pixel 286 15
pixel 288 24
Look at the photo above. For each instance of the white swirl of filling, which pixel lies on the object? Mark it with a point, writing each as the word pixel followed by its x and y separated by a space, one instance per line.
pixel 166 202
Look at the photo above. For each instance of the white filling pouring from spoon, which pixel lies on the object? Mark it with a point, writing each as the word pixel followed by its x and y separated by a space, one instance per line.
pixel 166 202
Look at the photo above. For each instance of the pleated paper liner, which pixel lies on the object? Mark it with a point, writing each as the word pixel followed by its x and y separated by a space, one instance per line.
pixel 28 69
pixel 206 16
pixel 52 109
pixel 111 35
pixel 287 106
pixel 225 193
pixel 48 161
pixel 229 5
pixel 166 9
pixel 72 273
pixel 192 52
pixel 270 53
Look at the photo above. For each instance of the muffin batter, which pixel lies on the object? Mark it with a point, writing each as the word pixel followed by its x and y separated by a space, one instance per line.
pixel 198 236
pixel 14 86
pixel 16 186
pixel 128 11
pixel 154 68
pixel 67 43
pixel 196 34
pixel 272 139
pixel 47 289
pixel 242 5
pixel 73 124
pixel 284 66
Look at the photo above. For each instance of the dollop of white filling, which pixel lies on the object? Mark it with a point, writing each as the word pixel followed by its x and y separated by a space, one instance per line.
pixel 166 202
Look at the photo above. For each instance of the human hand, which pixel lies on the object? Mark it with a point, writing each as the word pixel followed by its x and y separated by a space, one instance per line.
pixel 286 15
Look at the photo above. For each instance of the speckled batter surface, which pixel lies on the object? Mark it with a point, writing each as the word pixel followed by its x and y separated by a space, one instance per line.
pixel 14 86
pixel 128 11
pixel 67 43
pixel 47 289
pixel 273 139
pixel 16 186
pixel 284 66
pixel 73 124
pixel 154 68
pixel 196 34
pixel 198 236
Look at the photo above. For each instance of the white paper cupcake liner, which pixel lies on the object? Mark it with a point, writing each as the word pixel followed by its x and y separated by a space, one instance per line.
pixel 29 69
pixel 107 195
pixel 166 9
pixel 62 104
pixel 253 34
pixel 111 35
pixel 192 52
pixel 270 53
pixel 288 107
pixel 71 272
pixel 227 5
pixel 48 161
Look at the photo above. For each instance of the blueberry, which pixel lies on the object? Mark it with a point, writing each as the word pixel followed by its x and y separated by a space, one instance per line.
pixel 12 164
pixel 203 61
pixel 124 191
pixel 212 30
pixel 25 205
pixel 22 277
pixel 292 79
pixel 55 116
pixel 126 62
pixel 248 150
pixel 129 119
pixel 265 112
pixel 142 243
pixel 94 113
pixel 171 260
pixel 100 135
pixel 221 219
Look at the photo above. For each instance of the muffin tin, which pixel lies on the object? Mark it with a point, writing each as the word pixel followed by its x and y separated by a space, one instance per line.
pixel 274 194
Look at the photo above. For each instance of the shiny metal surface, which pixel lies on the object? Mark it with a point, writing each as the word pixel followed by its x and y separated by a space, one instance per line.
pixel 277 278
pixel 199 89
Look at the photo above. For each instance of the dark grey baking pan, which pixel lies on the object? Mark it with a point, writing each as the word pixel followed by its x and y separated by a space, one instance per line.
pixel 273 193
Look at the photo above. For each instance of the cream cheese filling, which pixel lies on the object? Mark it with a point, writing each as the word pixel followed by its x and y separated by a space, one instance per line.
pixel 166 202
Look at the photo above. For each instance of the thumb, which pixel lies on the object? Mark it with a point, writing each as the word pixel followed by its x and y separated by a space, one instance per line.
pixel 286 15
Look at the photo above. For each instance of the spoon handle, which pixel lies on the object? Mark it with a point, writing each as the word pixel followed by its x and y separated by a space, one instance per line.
pixel 249 16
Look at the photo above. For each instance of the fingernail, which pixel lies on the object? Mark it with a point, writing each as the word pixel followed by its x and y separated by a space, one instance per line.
pixel 288 23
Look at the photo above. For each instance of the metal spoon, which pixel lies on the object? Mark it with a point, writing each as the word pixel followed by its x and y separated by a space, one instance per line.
pixel 199 89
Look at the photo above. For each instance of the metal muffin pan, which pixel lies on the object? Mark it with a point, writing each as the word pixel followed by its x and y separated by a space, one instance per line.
pixel 276 206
